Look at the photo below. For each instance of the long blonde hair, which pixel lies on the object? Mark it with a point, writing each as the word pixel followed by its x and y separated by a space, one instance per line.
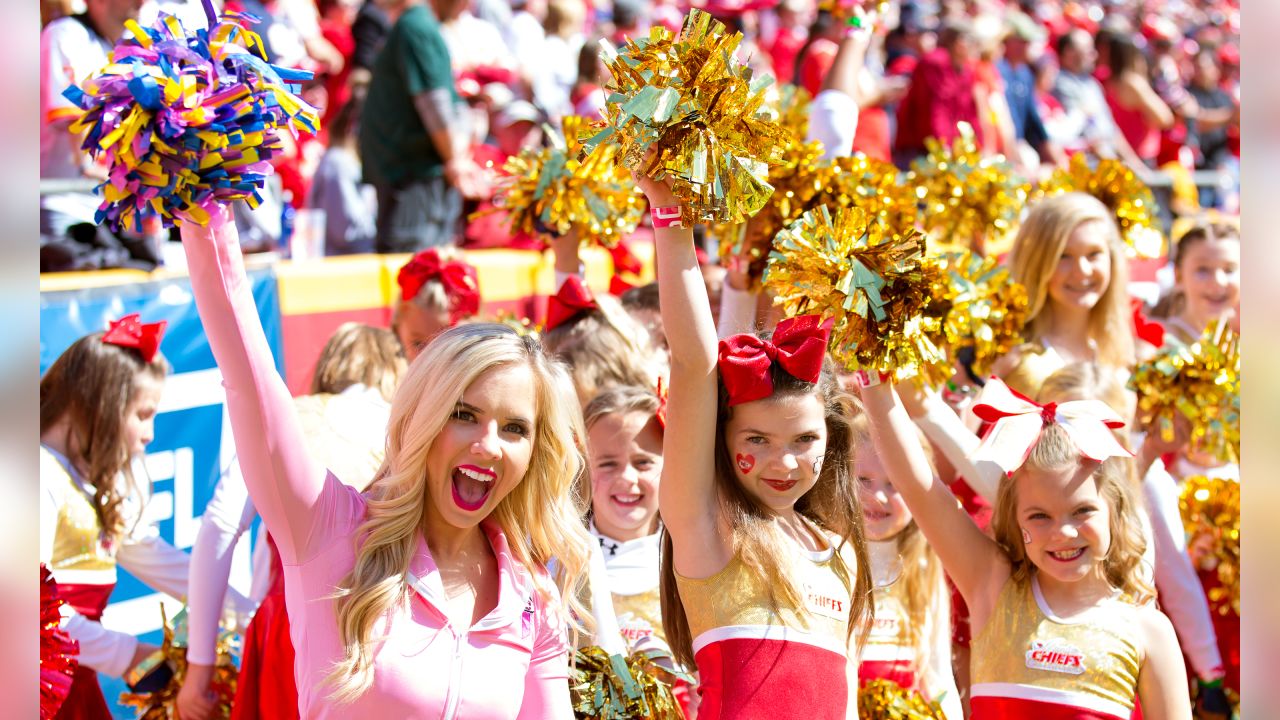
pixel 358 354
pixel 832 504
pixel 540 516
pixel 1041 240
pixel 1054 451
pixel 922 576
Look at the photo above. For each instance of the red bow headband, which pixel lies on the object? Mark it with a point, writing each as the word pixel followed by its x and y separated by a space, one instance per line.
pixel 799 345
pixel 129 331
pixel 571 300
pixel 458 278
pixel 1020 420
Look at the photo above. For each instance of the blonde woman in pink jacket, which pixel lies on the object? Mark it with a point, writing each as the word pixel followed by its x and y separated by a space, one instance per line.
pixel 428 594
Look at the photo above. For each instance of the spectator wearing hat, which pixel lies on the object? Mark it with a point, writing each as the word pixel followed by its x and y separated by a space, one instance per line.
pixel 1025 36
pixel 942 94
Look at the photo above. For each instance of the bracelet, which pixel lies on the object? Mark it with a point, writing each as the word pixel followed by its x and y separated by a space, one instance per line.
pixel 866 379
pixel 667 217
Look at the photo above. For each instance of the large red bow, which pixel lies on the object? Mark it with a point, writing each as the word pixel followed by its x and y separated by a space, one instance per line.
pixel 129 331
pixel 1019 421
pixel 571 300
pixel 459 279
pixel 799 345
pixel 1148 330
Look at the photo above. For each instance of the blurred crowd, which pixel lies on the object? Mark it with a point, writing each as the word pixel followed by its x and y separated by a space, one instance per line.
pixel 422 101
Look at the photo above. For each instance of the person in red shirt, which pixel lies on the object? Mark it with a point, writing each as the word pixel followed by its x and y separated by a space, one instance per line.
pixel 784 47
pixel 942 94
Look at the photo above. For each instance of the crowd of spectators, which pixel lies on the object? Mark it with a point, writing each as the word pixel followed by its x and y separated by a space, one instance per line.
pixel 423 100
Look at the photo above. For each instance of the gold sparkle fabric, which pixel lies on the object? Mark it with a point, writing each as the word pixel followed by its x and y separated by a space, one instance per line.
pixel 639 615
pixel 77 541
pixel 1091 661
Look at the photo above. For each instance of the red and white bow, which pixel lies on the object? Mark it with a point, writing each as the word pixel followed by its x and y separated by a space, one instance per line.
pixel 129 331
pixel 1020 420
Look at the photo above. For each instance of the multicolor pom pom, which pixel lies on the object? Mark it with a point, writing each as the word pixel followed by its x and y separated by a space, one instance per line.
pixel 1200 381
pixel 699 109
pixel 874 283
pixel 1122 191
pixel 186 121
pixel 57 650
pixel 557 189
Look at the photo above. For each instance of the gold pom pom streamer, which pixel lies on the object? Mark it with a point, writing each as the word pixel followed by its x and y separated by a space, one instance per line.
pixel 886 700
pixel 979 306
pixel 1202 382
pixel 970 200
pixel 162 704
pixel 700 110
pixel 556 190
pixel 1211 511
pixel 1113 183
pixel 611 687
pixel 874 284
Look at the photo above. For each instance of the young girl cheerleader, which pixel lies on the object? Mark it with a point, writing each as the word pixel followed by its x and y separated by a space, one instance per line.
pixel 910 639
pixel 344 420
pixel 1069 256
pixel 438 570
pixel 437 290
pixel 98 403
pixel 1206 263
pixel 764 572
pixel 1057 609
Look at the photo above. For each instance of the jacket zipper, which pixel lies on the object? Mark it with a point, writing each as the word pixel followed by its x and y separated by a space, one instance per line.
pixel 455 677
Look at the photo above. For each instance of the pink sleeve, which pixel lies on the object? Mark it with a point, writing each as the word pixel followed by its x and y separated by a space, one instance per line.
pixel 286 485
pixel 546 685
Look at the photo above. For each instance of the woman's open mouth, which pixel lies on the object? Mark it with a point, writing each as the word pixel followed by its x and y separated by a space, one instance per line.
pixel 471 486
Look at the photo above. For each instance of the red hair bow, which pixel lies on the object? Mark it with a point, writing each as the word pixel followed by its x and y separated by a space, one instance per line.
pixel 458 278
pixel 799 345
pixel 129 331
pixel 1148 330
pixel 571 300
pixel 1019 421
pixel 661 414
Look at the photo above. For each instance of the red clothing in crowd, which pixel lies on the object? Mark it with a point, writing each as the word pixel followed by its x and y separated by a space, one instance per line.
pixel 940 96
pixel 783 51
pixel 816 64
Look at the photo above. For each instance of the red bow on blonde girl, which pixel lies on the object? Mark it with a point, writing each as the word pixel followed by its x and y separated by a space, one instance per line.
pixel 571 300
pixel 458 278
pixel 1019 421
pixel 799 345
pixel 129 331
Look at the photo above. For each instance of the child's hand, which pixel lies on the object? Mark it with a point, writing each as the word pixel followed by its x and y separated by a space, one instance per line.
pixel 658 192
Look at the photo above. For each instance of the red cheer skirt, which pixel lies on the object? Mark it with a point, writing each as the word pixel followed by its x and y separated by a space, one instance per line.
pixel 85 701
pixel 266 688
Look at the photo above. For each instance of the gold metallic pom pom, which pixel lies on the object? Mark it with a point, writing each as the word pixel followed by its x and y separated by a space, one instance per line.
pixel 1211 514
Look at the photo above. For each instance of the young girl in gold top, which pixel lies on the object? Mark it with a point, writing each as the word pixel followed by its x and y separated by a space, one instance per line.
pixel 1059 614
pixel 765 579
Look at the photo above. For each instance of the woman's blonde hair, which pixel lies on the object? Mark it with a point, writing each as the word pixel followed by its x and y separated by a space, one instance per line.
pixel 603 347
pixel 539 517
pixel 832 504
pixel 1055 451
pixel 358 354
pixel 1040 242
pixel 922 576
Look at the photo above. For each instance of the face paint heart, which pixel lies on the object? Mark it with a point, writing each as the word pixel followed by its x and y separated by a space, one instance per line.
pixel 745 462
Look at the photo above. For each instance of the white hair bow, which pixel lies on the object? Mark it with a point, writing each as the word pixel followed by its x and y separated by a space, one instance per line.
pixel 1019 421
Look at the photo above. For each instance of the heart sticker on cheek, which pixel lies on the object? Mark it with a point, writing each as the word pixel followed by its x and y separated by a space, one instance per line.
pixel 745 462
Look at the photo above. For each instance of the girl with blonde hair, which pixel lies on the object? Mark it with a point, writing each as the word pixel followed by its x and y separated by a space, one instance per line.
pixel 910 640
pixel 1060 613
pixel 1069 256
pixel 764 573
pixel 439 569
pixel 438 290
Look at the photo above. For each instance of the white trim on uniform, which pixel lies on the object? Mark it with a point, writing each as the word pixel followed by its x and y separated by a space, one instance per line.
pixel 1081 700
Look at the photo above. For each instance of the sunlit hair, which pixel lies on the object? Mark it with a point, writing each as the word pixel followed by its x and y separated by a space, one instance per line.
pixel 1040 242
pixel 1054 451
pixel 432 296
pixel 1173 302
pixel 1090 381
pixel 91 384
pixel 832 504
pixel 922 576
pixel 540 517
pixel 603 347
pixel 617 400
pixel 358 354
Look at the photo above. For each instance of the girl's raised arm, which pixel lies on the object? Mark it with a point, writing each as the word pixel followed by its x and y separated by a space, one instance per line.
pixel 283 480
pixel 974 561
pixel 687 495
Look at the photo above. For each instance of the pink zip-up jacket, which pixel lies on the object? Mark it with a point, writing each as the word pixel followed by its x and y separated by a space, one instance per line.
pixel 511 664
